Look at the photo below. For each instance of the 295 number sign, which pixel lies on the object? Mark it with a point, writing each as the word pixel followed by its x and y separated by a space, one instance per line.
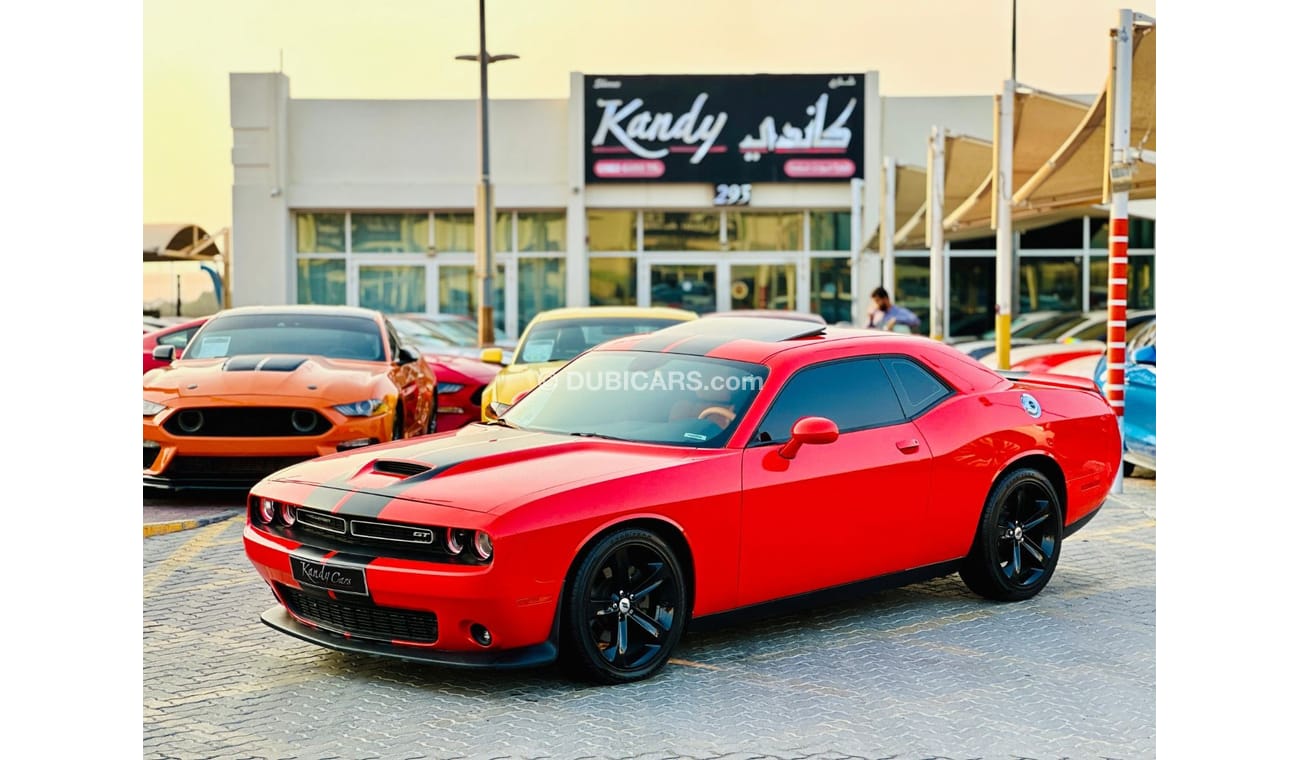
pixel 732 195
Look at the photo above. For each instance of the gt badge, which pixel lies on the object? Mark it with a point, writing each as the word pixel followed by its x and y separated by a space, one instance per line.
pixel 1030 405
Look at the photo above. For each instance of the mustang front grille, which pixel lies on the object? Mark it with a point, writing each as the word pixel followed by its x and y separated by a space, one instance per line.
pixel 361 619
pixel 227 467
pixel 246 422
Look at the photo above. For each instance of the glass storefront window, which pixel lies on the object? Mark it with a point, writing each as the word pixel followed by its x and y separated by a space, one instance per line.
pixel 912 287
pixel 541 287
pixel 453 232
pixel 1141 282
pixel 502 241
pixel 684 287
pixel 541 231
pixel 682 231
pixel 763 286
pixel 320 233
pixel 323 281
pixel 390 233
pixel 612 281
pixel 830 230
pixel 1141 233
pixel 458 293
pixel 1051 283
pixel 971 294
pixel 764 230
pixel 611 230
pixel 831 290
pixel 391 289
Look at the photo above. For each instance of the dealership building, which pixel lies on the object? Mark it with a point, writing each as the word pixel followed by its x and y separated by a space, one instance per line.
pixel 705 192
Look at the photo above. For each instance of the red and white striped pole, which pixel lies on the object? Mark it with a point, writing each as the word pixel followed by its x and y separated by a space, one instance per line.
pixel 1120 176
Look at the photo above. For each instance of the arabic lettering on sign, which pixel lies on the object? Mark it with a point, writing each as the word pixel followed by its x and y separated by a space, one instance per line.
pixel 814 137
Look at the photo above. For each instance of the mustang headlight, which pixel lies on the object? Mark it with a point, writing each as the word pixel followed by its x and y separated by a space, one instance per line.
pixel 367 408
pixel 150 408
pixel 449 387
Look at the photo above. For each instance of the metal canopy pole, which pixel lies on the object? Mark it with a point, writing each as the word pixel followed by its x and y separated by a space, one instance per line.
pixel 1004 148
pixel 934 229
pixel 888 210
pixel 1121 174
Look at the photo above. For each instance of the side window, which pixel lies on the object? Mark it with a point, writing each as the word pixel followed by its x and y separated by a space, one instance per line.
pixel 393 343
pixel 178 339
pixel 917 388
pixel 854 394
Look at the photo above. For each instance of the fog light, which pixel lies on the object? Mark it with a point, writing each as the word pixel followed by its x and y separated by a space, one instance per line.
pixel 482 545
pixel 357 443
pixel 289 514
pixel 303 420
pixel 481 635
pixel 266 510
pixel 190 420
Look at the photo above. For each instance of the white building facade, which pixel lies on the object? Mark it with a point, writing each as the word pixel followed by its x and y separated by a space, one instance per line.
pixel 709 193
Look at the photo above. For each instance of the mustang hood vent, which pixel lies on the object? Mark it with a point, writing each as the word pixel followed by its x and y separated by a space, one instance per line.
pixel 399 467
pixel 264 363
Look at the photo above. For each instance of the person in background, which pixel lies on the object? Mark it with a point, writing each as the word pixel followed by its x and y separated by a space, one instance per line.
pixel 888 314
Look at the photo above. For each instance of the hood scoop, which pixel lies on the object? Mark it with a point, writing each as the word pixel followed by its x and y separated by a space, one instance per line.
pixel 264 363
pixel 399 468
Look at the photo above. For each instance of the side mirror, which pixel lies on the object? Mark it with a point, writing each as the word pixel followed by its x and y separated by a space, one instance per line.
pixel 491 356
pixel 814 430
pixel 406 355
pixel 164 353
pixel 1145 355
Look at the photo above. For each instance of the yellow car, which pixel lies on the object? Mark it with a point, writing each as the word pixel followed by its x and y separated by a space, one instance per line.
pixel 556 336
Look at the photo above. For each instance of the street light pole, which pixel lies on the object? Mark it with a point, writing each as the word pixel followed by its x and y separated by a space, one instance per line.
pixel 484 215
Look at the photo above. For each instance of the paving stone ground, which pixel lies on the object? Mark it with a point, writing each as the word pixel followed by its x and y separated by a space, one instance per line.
pixel 919 673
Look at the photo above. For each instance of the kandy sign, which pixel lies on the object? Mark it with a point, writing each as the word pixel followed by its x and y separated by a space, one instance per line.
pixel 761 128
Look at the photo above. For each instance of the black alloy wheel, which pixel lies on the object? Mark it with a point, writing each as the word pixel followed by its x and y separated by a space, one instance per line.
pixel 625 609
pixel 1018 542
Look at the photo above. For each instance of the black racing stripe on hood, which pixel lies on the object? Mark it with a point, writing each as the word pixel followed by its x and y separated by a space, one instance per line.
pixel 324 499
pixel 366 504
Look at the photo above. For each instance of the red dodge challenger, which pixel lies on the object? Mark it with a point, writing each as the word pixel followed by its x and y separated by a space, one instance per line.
pixel 698 473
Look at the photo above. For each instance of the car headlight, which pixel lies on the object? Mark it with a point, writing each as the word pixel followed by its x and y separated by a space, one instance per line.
pixel 449 387
pixel 366 408
pixel 150 408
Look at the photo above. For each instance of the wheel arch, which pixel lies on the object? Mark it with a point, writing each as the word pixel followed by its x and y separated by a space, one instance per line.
pixel 1050 470
pixel 670 532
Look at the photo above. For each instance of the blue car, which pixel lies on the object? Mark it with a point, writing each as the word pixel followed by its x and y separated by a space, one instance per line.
pixel 1139 397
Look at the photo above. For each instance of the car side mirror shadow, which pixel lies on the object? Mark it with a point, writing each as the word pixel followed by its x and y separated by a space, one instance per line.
pixel 164 353
pixel 810 430
pixel 406 355
pixel 491 356
pixel 1145 355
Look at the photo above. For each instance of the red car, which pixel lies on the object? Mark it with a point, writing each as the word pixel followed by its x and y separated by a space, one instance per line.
pixel 177 336
pixel 692 474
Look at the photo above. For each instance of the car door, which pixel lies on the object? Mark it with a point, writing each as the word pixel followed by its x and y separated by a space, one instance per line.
pixel 836 512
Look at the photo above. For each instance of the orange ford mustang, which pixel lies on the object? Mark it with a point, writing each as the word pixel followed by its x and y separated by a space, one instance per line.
pixel 260 388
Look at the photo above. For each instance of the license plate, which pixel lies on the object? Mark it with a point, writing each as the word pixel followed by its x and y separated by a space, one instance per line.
pixel 349 580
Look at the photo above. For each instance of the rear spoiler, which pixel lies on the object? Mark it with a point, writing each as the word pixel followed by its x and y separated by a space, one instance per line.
pixel 1043 379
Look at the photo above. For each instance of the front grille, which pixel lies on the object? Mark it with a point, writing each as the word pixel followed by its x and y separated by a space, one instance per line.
pixel 246 422
pixel 217 468
pixel 379 538
pixel 361 619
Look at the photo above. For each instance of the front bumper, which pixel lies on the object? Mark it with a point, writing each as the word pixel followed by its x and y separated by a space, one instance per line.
pixel 178 462
pixel 518 611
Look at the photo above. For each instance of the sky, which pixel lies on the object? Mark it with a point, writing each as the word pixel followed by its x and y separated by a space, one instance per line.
pixel 405 49
pixel 117 113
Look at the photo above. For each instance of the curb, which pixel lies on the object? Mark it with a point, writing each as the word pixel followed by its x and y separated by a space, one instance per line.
pixel 158 529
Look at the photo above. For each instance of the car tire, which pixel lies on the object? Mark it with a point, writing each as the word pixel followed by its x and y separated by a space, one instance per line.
pixel 1018 541
pixel 645 612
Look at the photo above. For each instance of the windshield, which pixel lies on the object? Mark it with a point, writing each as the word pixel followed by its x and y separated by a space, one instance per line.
pixel 420 335
pixel 642 396
pixel 328 335
pixel 559 340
